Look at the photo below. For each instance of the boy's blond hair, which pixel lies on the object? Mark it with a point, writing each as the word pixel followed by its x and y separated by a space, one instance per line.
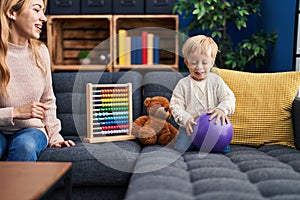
pixel 201 44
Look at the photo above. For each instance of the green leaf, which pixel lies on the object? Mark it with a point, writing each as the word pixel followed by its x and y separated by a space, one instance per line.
pixel 241 12
pixel 213 34
pixel 196 11
pixel 228 62
pixel 256 50
pixel 243 23
pixel 227 4
pixel 247 46
pixel 233 65
pixel 263 52
pixel 217 34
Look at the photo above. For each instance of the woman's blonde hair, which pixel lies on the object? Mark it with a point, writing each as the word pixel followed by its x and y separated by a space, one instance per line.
pixel 18 6
pixel 201 44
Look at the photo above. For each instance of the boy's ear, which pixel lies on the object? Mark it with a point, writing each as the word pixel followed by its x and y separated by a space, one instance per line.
pixel 185 62
pixel 11 14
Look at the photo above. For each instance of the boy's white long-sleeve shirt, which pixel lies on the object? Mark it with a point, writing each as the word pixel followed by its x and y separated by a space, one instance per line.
pixel 188 100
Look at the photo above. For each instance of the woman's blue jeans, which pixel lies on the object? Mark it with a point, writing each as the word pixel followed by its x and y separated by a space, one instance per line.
pixel 24 145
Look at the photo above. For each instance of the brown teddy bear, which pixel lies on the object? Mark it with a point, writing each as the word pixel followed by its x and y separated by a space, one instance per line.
pixel 154 129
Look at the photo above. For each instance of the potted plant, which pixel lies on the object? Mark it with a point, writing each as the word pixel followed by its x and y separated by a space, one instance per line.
pixel 84 57
pixel 214 16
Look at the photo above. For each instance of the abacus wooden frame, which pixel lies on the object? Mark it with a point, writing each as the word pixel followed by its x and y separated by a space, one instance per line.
pixel 90 125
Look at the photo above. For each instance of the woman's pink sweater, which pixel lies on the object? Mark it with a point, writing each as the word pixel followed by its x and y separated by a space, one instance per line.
pixel 27 84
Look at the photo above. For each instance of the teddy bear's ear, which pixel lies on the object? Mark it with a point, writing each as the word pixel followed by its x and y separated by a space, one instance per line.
pixel 147 101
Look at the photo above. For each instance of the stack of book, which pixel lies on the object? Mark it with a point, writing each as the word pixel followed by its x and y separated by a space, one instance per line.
pixel 138 50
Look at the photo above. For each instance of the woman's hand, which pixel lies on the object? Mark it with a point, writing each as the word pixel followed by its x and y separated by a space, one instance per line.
pixel 66 143
pixel 189 125
pixel 30 110
pixel 219 115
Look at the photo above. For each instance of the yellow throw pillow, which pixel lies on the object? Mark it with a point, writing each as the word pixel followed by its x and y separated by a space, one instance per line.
pixel 263 106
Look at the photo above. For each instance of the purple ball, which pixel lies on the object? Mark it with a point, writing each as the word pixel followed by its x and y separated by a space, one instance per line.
pixel 210 137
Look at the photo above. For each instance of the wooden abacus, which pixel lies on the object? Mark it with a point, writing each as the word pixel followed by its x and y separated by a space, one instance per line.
pixel 109 112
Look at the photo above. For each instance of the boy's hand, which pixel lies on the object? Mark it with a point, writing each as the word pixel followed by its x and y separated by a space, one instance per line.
pixel 189 125
pixel 218 114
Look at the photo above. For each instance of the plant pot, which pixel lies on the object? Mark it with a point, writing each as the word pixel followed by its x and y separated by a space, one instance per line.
pixel 85 61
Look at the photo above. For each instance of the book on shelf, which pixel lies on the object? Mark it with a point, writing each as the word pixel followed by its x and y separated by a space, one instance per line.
pixel 156 50
pixel 144 47
pixel 150 37
pixel 128 51
pixel 133 50
pixel 138 50
pixel 121 39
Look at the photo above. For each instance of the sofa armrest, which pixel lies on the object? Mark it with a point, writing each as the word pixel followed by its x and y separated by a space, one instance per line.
pixel 296 121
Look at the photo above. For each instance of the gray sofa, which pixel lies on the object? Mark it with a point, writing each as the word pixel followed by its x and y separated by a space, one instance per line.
pixel 129 170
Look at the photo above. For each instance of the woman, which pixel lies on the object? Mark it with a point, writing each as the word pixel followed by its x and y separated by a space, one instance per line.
pixel 28 121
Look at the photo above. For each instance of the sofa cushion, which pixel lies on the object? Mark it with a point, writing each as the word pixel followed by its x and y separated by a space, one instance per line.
pixel 105 164
pixel 161 83
pixel 70 92
pixel 263 106
pixel 269 172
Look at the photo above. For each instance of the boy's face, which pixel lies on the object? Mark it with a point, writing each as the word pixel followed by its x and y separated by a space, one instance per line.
pixel 199 65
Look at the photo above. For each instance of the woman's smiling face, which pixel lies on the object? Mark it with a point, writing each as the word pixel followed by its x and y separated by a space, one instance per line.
pixel 27 24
